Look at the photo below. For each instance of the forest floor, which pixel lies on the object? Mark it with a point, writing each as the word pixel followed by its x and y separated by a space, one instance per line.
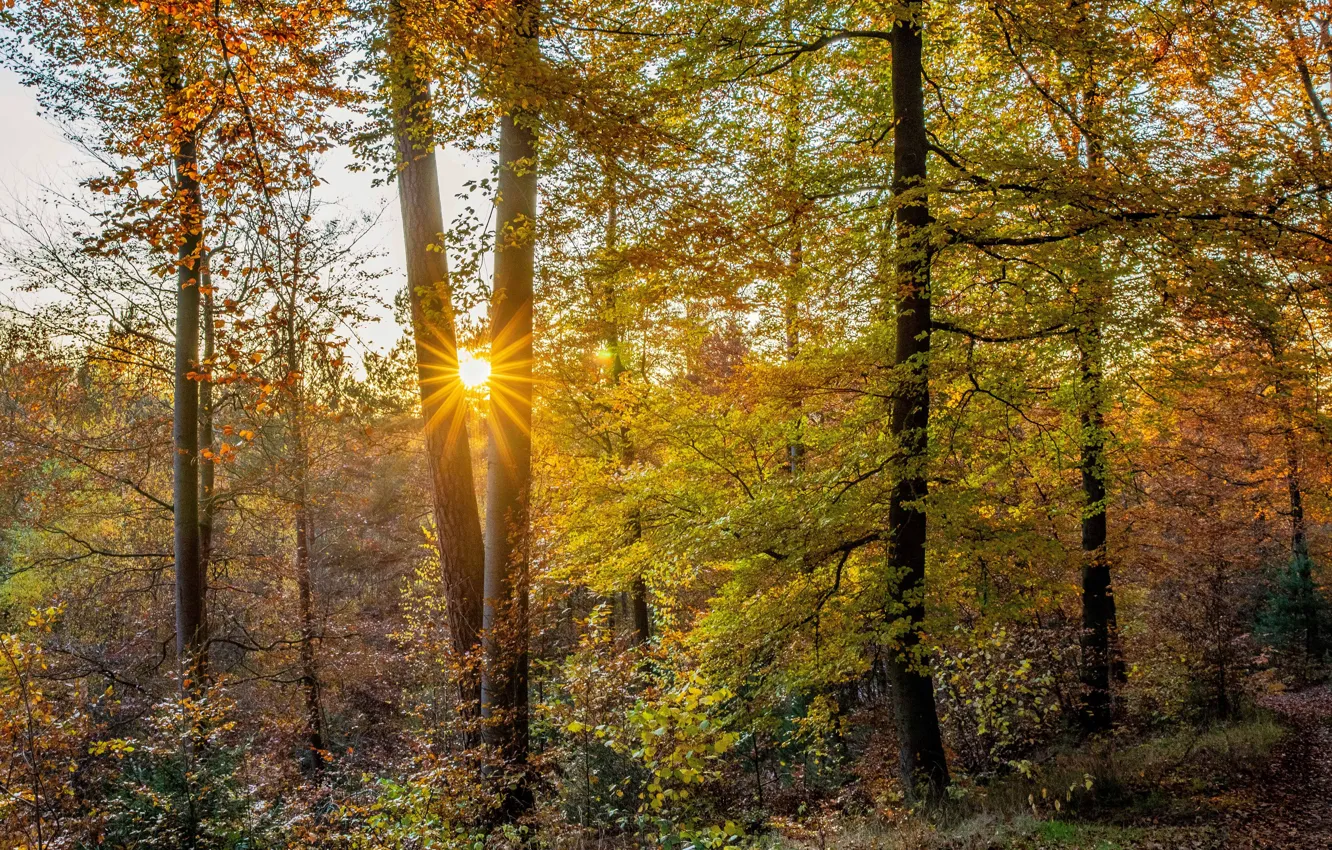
pixel 1291 805
pixel 1278 801
pixel 1261 784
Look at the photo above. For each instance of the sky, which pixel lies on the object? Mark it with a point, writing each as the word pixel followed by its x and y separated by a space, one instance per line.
pixel 35 157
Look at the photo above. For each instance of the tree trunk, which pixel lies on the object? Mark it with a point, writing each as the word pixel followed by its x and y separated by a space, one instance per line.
pixel 1098 641
pixel 314 723
pixel 207 465
pixel 443 403
pixel 793 289
pixel 191 583
pixel 1301 563
pixel 640 617
pixel 1098 601
pixel 509 453
pixel 314 717
pixel 923 763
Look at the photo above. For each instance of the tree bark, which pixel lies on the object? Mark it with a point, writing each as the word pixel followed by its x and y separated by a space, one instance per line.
pixel 1098 601
pixel 793 289
pixel 443 402
pixel 1098 641
pixel 640 616
pixel 314 717
pixel 207 465
pixel 922 760
pixel 504 704
pixel 191 583
pixel 1301 563
pixel 314 722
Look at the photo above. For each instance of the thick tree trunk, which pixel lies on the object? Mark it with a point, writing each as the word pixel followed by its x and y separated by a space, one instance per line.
pixel 923 763
pixel 1098 641
pixel 443 403
pixel 191 583
pixel 509 454
pixel 642 616
pixel 1098 601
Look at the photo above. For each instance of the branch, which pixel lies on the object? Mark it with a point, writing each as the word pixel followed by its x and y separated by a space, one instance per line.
pixel 1060 329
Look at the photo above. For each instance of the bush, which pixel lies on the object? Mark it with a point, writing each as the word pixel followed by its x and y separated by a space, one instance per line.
pixel 178 784
pixel 999 695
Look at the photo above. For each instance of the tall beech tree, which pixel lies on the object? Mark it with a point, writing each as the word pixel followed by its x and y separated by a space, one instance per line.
pixel 504 697
pixel 1091 303
pixel 444 406
pixel 923 762
pixel 292 334
pixel 191 581
pixel 609 270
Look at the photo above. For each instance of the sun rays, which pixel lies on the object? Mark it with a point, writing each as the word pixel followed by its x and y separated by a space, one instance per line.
pixel 473 371
pixel 458 380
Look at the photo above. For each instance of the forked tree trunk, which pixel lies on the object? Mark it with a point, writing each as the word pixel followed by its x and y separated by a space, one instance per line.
pixel 922 760
pixel 191 583
pixel 443 403
pixel 509 453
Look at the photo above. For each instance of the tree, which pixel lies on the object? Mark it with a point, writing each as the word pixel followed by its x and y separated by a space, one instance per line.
pixel 443 403
pixel 504 698
pixel 923 762
pixel 191 581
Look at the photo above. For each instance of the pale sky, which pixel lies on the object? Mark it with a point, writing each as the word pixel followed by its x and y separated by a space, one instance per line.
pixel 34 157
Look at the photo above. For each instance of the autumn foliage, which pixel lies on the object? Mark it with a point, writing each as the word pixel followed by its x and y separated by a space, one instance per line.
pixel 822 416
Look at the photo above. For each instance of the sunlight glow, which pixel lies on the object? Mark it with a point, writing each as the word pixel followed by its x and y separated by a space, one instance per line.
pixel 473 371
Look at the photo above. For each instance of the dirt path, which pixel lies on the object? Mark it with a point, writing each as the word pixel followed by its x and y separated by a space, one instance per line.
pixel 1292 809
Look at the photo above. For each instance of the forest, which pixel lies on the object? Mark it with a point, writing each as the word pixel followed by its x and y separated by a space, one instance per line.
pixel 812 424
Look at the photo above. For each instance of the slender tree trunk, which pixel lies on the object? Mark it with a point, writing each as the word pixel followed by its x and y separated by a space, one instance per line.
pixel 191 583
pixel 1299 543
pixel 207 465
pixel 1299 546
pixel 640 617
pixel 314 716
pixel 793 290
pixel 923 763
pixel 443 402
pixel 509 454
pixel 795 447
pixel 1299 540
pixel 314 719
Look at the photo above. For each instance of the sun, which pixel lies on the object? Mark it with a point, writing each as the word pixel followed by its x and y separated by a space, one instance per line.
pixel 473 371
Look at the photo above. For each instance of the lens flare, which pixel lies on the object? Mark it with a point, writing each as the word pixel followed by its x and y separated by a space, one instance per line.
pixel 473 371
